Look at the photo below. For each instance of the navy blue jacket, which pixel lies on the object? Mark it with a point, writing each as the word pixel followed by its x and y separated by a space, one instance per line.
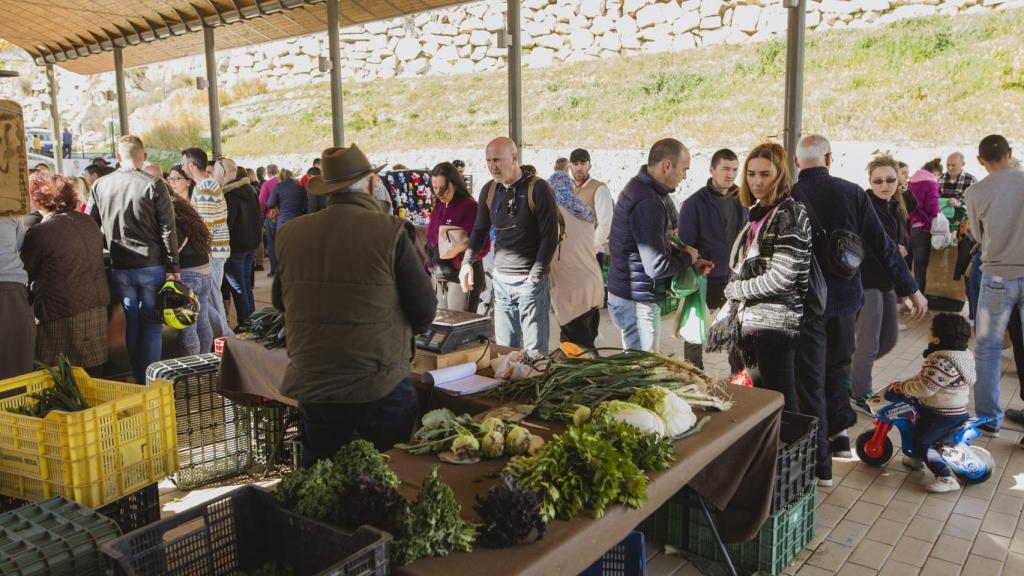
pixel 290 200
pixel 700 226
pixel 838 203
pixel 643 261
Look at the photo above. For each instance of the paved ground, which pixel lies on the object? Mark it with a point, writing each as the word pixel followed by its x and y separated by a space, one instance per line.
pixel 875 520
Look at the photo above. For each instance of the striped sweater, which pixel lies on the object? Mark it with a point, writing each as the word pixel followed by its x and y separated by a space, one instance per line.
pixel 944 383
pixel 208 199
pixel 770 276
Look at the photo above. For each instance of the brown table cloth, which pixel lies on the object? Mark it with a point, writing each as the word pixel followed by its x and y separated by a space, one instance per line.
pixel 731 462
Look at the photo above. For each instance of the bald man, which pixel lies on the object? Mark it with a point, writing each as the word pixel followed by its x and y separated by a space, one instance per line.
pixel 522 210
pixel 955 181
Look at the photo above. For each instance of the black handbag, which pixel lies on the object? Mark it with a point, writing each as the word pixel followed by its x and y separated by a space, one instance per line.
pixel 844 248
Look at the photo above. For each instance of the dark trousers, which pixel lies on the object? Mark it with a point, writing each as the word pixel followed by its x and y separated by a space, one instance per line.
pixel 921 251
pixel 694 353
pixel 326 427
pixel 929 428
pixel 770 361
pixel 582 330
pixel 1017 338
pixel 811 353
pixel 842 337
pixel 18 336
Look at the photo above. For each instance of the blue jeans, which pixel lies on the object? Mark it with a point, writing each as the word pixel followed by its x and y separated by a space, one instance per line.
pixel 973 283
pixel 220 317
pixel 997 299
pixel 198 338
pixel 137 290
pixel 327 426
pixel 639 322
pixel 522 314
pixel 238 275
pixel 271 229
pixel 930 428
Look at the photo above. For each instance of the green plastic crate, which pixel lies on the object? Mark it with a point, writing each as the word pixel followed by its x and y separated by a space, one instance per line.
pixel 669 305
pixel 54 537
pixel 680 523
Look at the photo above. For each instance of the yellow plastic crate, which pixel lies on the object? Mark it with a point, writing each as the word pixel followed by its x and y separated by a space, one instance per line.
pixel 123 443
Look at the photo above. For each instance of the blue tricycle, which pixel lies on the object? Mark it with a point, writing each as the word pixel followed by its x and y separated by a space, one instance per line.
pixel 972 464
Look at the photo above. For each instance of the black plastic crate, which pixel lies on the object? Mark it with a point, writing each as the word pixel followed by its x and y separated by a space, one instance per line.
pixel 55 536
pixel 214 434
pixel 131 512
pixel 794 469
pixel 272 432
pixel 627 558
pixel 245 530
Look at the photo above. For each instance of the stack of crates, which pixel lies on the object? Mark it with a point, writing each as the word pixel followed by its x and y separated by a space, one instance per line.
pixel 122 444
pixel 273 433
pixel 786 532
pixel 215 435
pixel 131 512
pixel 56 536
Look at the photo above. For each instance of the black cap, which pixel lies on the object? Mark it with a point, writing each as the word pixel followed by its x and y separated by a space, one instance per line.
pixel 579 155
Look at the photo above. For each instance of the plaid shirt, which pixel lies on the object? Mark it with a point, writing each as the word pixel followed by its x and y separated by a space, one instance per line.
pixel 950 188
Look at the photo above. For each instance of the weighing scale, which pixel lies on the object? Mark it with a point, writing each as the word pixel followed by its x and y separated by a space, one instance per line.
pixel 453 328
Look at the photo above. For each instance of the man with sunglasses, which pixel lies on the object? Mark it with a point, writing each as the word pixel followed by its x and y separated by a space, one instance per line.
pixel 521 207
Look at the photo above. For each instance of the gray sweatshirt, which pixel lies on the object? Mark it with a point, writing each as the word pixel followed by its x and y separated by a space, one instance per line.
pixel 995 208
pixel 12 234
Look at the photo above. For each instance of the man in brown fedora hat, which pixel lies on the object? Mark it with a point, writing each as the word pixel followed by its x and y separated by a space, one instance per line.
pixel 354 292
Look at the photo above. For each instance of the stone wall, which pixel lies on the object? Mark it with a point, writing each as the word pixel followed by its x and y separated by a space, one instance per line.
pixel 464 38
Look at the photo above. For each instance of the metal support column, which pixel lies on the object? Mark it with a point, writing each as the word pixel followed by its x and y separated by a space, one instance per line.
pixel 58 141
pixel 122 94
pixel 515 76
pixel 794 76
pixel 211 88
pixel 334 46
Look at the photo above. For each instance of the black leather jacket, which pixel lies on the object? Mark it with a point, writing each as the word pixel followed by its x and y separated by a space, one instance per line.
pixel 133 209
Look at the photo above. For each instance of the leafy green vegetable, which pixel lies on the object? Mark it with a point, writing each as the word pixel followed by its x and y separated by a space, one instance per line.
pixel 266 326
pixel 360 458
pixel 432 526
pixel 318 494
pixel 510 512
pixel 374 502
pixel 592 466
pixel 64 395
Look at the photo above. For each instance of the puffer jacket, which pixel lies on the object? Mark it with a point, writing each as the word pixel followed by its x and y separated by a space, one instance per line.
pixel 772 273
pixel 643 259
pixel 245 222
pixel 63 256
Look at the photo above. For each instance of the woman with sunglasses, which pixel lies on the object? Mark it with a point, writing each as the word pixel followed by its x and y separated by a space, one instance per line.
pixel 878 321
pixel 451 223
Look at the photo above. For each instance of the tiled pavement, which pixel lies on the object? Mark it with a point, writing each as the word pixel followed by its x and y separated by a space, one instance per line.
pixel 882 520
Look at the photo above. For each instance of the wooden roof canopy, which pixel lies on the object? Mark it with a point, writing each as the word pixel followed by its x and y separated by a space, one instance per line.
pixel 80 35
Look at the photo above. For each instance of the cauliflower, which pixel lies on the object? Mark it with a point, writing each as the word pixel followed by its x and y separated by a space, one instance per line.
pixel 643 419
pixel 674 412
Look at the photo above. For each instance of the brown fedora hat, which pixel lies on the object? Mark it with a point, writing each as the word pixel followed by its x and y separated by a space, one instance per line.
pixel 341 167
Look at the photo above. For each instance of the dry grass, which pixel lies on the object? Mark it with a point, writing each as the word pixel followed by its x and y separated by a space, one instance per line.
pixel 930 80
pixel 242 90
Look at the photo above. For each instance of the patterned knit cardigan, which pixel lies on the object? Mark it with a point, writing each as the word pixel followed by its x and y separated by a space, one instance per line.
pixel 771 279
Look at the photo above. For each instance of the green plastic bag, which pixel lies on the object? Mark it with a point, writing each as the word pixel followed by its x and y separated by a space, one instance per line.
pixel 692 316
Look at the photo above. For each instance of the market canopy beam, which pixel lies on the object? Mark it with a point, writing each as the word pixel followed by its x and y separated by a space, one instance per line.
pixel 80 36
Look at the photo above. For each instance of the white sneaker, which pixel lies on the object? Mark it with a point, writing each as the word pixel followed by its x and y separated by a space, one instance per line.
pixel 901 327
pixel 944 484
pixel 911 463
pixel 823 483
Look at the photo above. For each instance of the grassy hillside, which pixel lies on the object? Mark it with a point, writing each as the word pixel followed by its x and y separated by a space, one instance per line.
pixel 930 80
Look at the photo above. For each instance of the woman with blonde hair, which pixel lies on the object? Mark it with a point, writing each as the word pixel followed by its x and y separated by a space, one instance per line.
pixel 770 263
pixel 877 325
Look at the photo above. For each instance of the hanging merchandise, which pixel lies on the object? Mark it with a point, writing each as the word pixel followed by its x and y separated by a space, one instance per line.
pixel 411 194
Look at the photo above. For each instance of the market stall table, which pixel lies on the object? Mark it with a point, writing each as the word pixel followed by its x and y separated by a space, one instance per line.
pixel 731 462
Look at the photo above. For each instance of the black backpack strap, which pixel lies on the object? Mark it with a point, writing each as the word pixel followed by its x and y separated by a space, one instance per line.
pixel 816 224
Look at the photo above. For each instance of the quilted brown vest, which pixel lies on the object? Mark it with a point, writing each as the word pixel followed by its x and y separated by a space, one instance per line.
pixel 348 340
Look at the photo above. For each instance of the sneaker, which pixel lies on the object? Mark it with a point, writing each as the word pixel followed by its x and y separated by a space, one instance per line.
pixel 901 327
pixel 824 482
pixel 862 403
pixel 840 446
pixel 1014 415
pixel 989 431
pixel 944 484
pixel 911 463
